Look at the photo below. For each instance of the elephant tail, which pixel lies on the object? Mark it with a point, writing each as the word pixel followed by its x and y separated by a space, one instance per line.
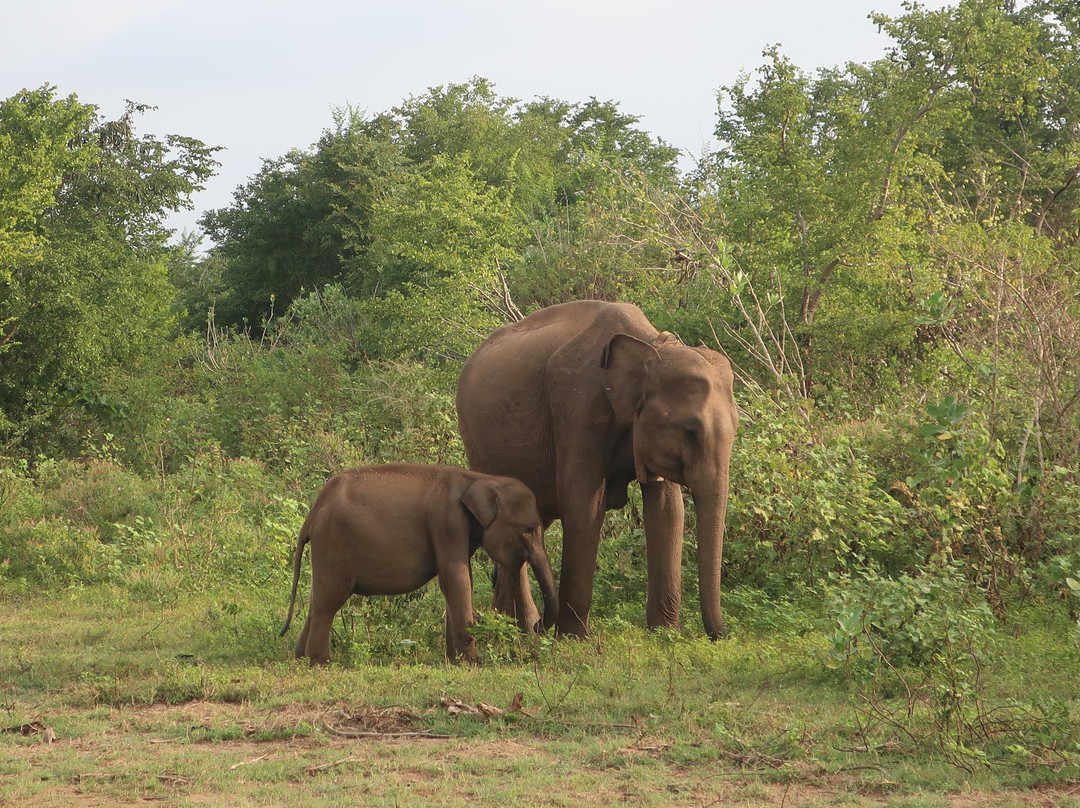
pixel 298 560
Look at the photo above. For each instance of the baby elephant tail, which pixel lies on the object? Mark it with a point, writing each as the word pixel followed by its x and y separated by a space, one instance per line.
pixel 298 560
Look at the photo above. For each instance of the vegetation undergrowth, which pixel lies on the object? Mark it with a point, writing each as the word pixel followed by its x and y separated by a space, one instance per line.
pixel 886 252
pixel 769 707
pixel 887 636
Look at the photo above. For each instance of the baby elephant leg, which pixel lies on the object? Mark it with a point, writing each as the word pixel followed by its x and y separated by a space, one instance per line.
pixel 314 642
pixel 455 580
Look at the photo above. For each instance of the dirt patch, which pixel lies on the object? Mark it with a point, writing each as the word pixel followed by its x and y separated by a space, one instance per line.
pixel 371 721
pixel 502 749
pixel 291 722
pixel 210 751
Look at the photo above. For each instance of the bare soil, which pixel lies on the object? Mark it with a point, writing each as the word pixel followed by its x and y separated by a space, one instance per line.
pixel 392 742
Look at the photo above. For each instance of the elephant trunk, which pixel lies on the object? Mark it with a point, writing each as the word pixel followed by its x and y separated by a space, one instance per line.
pixel 711 505
pixel 546 579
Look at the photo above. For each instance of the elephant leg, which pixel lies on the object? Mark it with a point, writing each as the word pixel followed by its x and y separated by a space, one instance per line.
pixel 663 507
pixel 581 542
pixel 324 606
pixel 475 614
pixel 455 581
pixel 513 596
pixel 301 643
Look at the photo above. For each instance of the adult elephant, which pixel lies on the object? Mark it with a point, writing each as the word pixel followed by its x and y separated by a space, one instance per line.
pixel 578 399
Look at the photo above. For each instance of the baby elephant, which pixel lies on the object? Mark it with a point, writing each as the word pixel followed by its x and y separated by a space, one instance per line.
pixel 387 530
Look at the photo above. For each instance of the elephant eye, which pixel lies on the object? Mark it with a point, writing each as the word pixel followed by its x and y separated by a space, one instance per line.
pixel 691 431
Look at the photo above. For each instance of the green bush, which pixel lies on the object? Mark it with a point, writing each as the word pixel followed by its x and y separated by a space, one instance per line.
pixel 50 554
pixel 907 620
pixel 18 495
pixel 965 502
pixel 97 494
pixel 804 503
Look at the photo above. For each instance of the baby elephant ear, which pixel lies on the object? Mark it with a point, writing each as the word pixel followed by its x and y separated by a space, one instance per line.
pixel 482 500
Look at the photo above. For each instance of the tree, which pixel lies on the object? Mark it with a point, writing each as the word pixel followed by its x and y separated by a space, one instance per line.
pixel 352 210
pixel 499 198
pixel 817 187
pixel 35 130
pixel 1005 227
pixel 83 250
pixel 830 189
pixel 302 221
pixel 1010 79
pixel 438 240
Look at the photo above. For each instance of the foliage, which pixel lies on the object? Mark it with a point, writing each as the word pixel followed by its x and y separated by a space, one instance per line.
pixel 428 200
pixel 1011 322
pixel 923 644
pixel 830 190
pixel 83 284
pixel 35 133
pixel 301 222
pixel 907 620
pixel 963 496
pixel 887 252
pixel 802 507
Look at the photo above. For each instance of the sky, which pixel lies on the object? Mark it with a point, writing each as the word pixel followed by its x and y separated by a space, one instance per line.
pixel 260 77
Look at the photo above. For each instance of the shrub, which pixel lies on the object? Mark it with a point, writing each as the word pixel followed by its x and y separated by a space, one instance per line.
pixel 803 505
pixel 907 620
pixel 18 495
pixel 965 503
pixel 50 554
pixel 98 494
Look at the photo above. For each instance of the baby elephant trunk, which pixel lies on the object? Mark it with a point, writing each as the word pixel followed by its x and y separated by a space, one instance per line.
pixel 546 579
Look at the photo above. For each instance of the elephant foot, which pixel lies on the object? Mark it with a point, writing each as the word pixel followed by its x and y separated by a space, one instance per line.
pixel 463 652
pixel 671 624
pixel 576 630
pixel 571 635
pixel 572 622
pixel 719 633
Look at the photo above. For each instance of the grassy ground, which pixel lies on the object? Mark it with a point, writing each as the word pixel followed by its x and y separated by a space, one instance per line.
pixel 111 700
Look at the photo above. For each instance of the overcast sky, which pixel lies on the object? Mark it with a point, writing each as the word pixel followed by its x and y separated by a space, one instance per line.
pixel 259 77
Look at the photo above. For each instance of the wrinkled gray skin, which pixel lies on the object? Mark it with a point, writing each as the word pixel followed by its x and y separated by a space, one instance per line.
pixel 387 530
pixel 578 399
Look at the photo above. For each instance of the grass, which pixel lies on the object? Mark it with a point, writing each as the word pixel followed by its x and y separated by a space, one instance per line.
pixel 143 584
pixel 196 701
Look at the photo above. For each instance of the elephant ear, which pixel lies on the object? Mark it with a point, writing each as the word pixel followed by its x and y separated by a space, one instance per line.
pixel 624 367
pixel 482 500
